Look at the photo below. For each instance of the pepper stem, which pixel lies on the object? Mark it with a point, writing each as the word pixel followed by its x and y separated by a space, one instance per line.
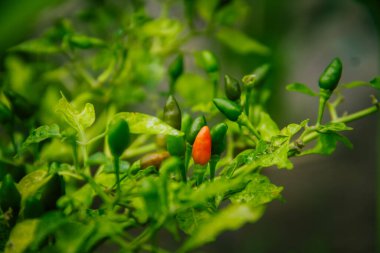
pixel 199 171
pixel 117 174
pixel 323 97
pixel 187 156
pixel 213 161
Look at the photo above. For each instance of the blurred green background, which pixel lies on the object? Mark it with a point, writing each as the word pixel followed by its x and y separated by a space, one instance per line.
pixel 330 201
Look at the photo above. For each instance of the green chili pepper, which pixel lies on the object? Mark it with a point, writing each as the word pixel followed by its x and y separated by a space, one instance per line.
pixel 207 60
pixel 5 114
pixel 258 76
pixel 118 141
pixel 172 113
pixel 10 197
pixel 175 71
pixel 172 116
pixel 218 136
pixel 230 109
pixel 327 84
pixel 118 137
pixel 331 75
pixel 53 190
pixel 186 123
pixel 33 208
pixel 232 88
pixel 176 145
pixel 197 124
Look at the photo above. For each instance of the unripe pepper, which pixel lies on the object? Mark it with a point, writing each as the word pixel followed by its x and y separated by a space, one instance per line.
pixel 331 75
pixel 196 126
pixel 230 109
pixel 118 137
pixel 186 123
pixel 172 116
pixel 232 88
pixel 327 84
pixel 172 113
pixel 10 197
pixel 218 137
pixel 207 60
pixel 202 146
pixel 176 68
pixel 118 141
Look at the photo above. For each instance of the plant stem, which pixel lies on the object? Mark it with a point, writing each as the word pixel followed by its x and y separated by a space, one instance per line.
pixel 345 119
pixel 244 121
pixel 247 100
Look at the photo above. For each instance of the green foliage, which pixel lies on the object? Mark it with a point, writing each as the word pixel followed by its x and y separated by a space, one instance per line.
pixel 73 192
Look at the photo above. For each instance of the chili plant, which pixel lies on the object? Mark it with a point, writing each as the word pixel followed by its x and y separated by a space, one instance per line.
pixel 82 172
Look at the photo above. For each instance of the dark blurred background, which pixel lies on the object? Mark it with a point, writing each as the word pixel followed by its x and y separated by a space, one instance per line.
pixel 330 201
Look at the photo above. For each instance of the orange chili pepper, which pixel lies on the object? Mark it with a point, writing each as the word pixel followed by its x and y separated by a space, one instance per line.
pixel 202 146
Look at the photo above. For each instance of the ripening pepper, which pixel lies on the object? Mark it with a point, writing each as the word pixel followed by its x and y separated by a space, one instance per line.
pixel 202 146
pixel 232 88
pixel 195 127
pixel 229 108
pixel 118 137
pixel 331 75
pixel 153 159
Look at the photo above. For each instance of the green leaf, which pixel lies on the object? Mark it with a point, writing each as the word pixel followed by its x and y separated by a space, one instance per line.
pixel 41 133
pixel 291 129
pixel 232 217
pixel 326 144
pixel 85 42
pixel 241 43
pixel 266 126
pixel 47 225
pixel 302 88
pixel 22 235
pixel 355 84
pixel 375 83
pixel 78 120
pixel 32 182
pixel 189 220
pixel 37 46
pixel 140 123
pixel 258 191
pixel 333 127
